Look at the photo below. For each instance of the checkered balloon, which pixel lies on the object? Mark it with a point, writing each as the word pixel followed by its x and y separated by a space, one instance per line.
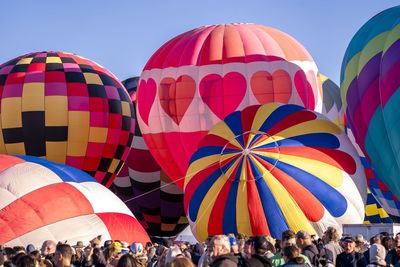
pixel 66 109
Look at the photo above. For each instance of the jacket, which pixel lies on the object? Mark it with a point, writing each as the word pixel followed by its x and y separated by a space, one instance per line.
pixel 227 260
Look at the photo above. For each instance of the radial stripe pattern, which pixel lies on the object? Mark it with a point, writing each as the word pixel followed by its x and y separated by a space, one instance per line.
pixel 270 168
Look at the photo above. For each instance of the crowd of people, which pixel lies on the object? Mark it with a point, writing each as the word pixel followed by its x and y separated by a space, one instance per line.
pixel 293 249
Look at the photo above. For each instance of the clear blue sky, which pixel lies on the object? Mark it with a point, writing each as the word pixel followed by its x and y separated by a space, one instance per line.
pixel 121 35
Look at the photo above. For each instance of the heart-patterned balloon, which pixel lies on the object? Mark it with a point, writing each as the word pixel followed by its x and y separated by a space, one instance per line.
pixel 176 95
pixel 303 89
pixel 146 92
pixel 269 88
pixel 223 95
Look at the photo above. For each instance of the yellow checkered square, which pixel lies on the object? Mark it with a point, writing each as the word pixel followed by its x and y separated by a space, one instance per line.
pixel 55 151
pixel 16 149
pixel 113 165
pixel 27 60
pixel 11 110
pixel 78 132
pixel 56 108
pixel 92 78
pixel 53 60
pixel 33 97
pixel 126 110
pixel 98 134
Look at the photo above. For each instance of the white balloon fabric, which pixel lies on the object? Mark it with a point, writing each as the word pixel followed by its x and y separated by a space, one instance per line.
pixel 41 200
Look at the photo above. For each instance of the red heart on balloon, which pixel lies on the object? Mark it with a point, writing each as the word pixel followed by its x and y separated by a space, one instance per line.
pixel 223 95
pixel 176 95
pixel 269 88
pixel 146 95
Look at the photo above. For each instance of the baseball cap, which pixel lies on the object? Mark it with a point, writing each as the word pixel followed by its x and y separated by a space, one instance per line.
pixel 232 240
pixel 136 248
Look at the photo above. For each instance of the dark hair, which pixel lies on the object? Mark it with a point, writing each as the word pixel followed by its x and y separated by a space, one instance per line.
pixel 293 253
pixel 288 234
pixel 25 261
pixel 65 250
pixel 387 242
pixel 126 261
pixel 262 245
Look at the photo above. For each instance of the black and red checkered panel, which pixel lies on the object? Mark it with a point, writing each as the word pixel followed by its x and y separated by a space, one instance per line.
pixel 66 109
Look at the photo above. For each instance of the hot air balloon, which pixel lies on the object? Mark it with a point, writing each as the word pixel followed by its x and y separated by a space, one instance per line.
pixel 332 106
pixel 199 77
pixel 66 109
pixel 41 200
pixel 270 168
pixel 369 86
pixel 152 197
pixel 374 213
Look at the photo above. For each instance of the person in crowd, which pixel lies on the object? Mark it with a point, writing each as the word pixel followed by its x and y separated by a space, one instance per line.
pixel 377 255
pixel 139 254
pixel 151 256
pixel 349 257
pixel 172 252
pixel 206 259
pixel 288 239
pixel 127 260
pixel 261 252
pixel 63 255
pixel 308 248
pixel 197 252
pixel 2 258
pixel 26 261
pixel 247 248
pixel 291 255
pixel 235 250
pixel 393 256
pixel 331 246
pixel 221 251
pixel 182 262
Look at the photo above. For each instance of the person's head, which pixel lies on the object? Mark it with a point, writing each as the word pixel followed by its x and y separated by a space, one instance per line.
pixel 247 250
pixel 48 247
pixel 387 242
pixel 126 261
pixel 137 249
pixel 25 261
pixel 331 235
pixel 349 244
pixel 234 244
pixel 182 262
pixel 288 238
pixel 292 253
pixel 261 245
pixel 376 239
pixel 359 247
pixel 221 245
pixel 172 252
pixel 303 239
pixel 241 240
pixel 63 255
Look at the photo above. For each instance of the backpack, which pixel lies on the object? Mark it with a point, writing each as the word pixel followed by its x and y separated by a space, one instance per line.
pixel 322 259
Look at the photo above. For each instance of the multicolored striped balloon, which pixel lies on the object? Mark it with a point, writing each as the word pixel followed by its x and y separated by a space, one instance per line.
pixel 152 197
pixel 42 200
pixel 332 106
pixel 270 168
pixel 67 109
pixel 385 198
pixel 199 77
pixel 370 79
pixel 374 213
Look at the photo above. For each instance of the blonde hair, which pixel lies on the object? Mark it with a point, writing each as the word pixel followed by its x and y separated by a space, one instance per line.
pixel 222 240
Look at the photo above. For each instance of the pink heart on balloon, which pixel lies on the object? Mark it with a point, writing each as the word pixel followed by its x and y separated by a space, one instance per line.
pixel 176 95
pixel 146 95
pixel 223 95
